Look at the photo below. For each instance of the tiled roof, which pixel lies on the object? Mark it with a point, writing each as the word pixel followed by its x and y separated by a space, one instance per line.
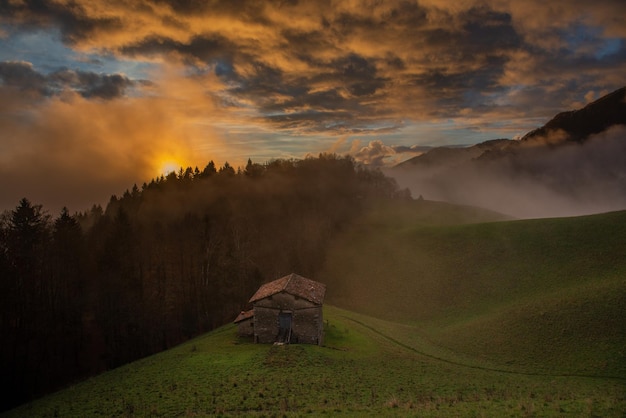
pixel 294 285
pixel 244 315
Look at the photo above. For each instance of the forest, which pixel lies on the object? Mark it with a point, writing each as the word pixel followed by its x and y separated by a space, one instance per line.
pixel 87 292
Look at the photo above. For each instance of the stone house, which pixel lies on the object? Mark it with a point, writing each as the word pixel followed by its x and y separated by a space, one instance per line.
pixel 287 310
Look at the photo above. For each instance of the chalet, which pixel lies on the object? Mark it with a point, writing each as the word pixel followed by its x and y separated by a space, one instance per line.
pixel 287 310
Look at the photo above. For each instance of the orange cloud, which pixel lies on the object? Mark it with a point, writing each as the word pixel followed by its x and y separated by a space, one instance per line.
pixel 363 60
pixel 68 145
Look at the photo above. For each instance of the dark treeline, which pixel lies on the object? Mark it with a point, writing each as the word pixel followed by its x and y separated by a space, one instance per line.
pixel 85 293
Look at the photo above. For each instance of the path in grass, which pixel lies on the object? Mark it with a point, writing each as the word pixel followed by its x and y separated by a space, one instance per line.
pixel 474 366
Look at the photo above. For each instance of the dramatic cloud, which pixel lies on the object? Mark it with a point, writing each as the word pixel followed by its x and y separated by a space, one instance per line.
pixel 377 154
pixel 276 76
pixel 22 76
pixel 67 148
pixel 374 154
pixel 362 63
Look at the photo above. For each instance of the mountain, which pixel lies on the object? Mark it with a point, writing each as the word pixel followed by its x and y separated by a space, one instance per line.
pixel 448 155
pixel 579 124
pixel 573 165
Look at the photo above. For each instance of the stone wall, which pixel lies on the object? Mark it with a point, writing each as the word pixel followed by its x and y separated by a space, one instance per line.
pixel 245 328
pixel 308 325
pixel 307 319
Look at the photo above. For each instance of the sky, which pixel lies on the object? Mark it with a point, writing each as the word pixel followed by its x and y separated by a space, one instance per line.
pixel 96 96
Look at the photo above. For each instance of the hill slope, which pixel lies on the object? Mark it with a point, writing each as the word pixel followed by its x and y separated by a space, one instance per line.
pixel 574 165
pixel 594 118
pixel 511 318
pixel 364 370
pixel 536 295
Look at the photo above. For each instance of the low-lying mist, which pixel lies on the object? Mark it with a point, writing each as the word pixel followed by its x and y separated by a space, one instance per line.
pixel 533 179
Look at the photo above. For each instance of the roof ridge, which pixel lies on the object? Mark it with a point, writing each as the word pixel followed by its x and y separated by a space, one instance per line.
pixel 283 284
pixel 288 280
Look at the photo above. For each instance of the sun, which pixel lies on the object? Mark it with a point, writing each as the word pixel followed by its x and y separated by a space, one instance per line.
pixel 168 165
pixel 171 161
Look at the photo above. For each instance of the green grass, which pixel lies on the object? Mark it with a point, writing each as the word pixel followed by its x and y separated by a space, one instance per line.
pixel 543 295
pixel 440 313
pixel 369 367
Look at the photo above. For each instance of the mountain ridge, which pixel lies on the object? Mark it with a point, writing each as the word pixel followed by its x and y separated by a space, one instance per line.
pixel 575 164
pixel 593 118
pixel 577 126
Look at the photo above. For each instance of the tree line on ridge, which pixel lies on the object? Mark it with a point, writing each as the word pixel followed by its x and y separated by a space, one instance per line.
pixel 163 263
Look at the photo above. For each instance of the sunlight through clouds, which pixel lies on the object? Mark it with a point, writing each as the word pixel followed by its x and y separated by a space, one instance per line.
pixel 268 80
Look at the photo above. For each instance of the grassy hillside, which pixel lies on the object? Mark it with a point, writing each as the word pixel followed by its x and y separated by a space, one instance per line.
pixel 458 316
pixel 531 296
pixel 369 367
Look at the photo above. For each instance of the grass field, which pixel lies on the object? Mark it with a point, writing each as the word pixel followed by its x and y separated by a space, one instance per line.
pixel 368 367
pixel 535 295
pixel 434 310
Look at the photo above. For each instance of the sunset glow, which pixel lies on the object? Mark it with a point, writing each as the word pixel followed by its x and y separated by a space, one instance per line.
pixel 381 81
pixel 168 166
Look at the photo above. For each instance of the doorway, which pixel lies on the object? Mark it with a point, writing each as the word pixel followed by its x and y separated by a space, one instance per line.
pixel 285 320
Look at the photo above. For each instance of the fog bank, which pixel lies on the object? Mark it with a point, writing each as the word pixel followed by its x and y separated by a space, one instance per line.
pixel 531 180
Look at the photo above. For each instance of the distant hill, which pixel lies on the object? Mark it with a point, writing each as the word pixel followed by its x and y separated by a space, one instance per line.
pixel 575 164
pixel 455 155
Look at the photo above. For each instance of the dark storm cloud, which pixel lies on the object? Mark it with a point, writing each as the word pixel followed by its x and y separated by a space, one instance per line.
pixel 88 84
pixel 73 18
pixel 22 76
pixel 307 44
pixel 340 79
pixel 204 48
pixel 243 9
pixel 487 31
pixel 310 121
pixel 262 83
pixel 336 105
pixel 358 75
